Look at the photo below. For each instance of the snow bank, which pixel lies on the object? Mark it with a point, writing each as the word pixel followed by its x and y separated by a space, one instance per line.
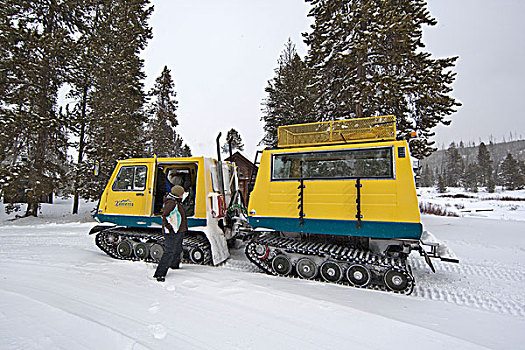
pixel 58 212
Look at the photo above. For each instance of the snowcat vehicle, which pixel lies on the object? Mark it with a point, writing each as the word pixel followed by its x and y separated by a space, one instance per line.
pixel 338 201
pixel 130 208
pixel 335 202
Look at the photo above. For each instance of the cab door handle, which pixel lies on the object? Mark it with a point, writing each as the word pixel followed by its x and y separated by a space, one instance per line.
pixel 140 194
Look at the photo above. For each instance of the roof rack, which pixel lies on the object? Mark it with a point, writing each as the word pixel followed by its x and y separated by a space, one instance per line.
pixel 336 132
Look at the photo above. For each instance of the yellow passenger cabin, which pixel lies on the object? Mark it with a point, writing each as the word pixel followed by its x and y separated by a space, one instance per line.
pixel 342 178
pixel 133 196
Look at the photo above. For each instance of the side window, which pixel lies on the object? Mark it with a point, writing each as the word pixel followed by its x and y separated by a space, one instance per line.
pixel 131 178
pixel 362 163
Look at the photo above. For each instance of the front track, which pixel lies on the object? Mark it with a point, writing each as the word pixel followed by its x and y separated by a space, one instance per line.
pixel 148 245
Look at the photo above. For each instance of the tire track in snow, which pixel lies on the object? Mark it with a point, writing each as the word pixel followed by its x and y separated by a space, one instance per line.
pixel 471 285
pixel 444 289
pixel 499 273
pixel 467 298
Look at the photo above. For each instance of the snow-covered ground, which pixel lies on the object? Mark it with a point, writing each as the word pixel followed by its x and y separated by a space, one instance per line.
pixel 59 291
pixel 500 205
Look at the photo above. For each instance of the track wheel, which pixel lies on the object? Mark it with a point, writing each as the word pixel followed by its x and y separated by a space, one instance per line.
pixel 196 255
pixel 331 271
pixel 358 275
pixel 110 238
pixel 125 248
pixel 282 265
pixel 261 251
pixel 396 280
pixel 141 250
pixel 306 268
pixel 156 251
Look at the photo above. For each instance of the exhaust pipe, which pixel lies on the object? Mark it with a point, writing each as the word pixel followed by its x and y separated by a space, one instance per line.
pixel 219 164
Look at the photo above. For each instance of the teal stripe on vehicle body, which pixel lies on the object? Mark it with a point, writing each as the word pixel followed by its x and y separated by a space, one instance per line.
pixel 142 221
pixel 373 229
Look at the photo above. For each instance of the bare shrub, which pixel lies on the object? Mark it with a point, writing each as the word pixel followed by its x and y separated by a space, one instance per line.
pixel 435 209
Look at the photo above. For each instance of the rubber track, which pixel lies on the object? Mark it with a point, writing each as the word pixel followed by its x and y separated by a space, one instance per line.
pixel 343 255
pixel 189 242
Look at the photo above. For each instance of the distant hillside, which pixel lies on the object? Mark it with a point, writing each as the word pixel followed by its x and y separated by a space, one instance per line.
pixel 498 152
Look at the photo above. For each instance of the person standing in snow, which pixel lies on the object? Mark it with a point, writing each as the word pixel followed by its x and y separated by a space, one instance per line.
pixel 174 226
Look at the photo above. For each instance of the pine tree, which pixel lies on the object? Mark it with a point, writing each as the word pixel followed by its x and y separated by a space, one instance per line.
pixel 470 177
pixel 485 164
pixel 185 151
pixel 181 150
pixel 521 178
pixel 92 46
pixel 162 136
pixel 117 99
pixel 38 44
pixel 427 177
pixel 163 115
pixel 80 77
pixel 441 185
pixel 289 98
pixel 510 173
pixel 491 184
pixel 367 59
pixel 233 142
pixel 13 104
pixel 454 166
pixel 9 128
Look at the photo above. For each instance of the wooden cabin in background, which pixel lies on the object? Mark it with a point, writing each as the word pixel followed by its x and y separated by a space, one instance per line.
pixel 244 171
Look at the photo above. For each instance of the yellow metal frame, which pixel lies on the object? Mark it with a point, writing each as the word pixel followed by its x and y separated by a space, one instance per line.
pixel 337 132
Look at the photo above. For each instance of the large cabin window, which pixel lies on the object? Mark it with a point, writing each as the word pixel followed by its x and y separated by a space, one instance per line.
pixel 375 163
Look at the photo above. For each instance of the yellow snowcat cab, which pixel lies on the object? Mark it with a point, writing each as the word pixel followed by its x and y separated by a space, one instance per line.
pixel 339 202
pixel 133 198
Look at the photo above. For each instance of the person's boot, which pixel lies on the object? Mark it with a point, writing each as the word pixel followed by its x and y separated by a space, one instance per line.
pixel 161 279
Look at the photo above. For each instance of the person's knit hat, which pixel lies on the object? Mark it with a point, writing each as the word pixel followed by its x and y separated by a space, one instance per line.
pixel 177 191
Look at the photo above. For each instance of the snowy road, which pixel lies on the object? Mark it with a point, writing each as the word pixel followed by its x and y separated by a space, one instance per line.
pixel 59 291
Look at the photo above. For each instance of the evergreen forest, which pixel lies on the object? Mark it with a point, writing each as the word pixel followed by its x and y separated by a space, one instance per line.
pixel 472 167
pixel 89 49
pixel 364 58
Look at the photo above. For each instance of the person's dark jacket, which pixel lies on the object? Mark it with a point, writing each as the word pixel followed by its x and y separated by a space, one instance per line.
pixel 170 201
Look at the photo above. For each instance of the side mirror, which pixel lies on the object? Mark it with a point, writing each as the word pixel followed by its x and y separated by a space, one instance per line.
pixel 96 168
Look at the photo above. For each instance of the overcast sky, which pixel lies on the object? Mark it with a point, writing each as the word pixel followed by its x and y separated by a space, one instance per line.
pixel 222 54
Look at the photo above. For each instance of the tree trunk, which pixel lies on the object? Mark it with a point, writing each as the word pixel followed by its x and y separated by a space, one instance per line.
pixel 75 203
pixel 32 208
pixel 35 209
pixel 44 104
pixel 28 210
pixel 81 146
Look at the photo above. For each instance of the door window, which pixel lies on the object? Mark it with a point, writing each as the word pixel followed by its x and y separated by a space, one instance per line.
pixel 131 178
